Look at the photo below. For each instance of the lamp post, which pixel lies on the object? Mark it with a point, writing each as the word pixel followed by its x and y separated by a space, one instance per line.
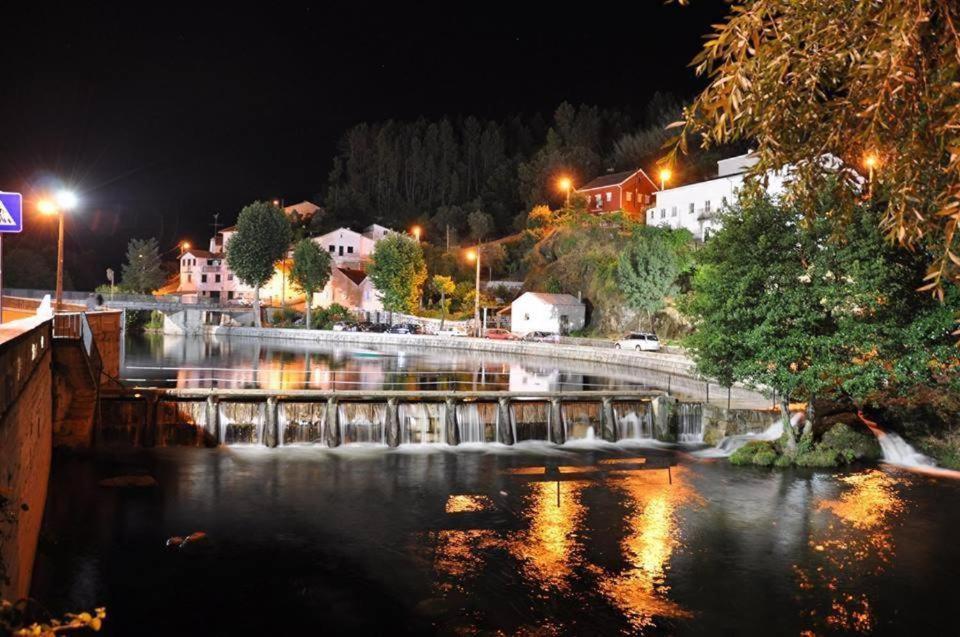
pixel 665 175
pixel 415 231
pixel 474 255
pixel 870 161
pixel 65 201
pixel 565 184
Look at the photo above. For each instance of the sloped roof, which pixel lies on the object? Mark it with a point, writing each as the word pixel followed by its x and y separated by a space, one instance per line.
pixel 203 254
pixel 614 179
pixel 357 276
pixel 552 299
pixel 228 229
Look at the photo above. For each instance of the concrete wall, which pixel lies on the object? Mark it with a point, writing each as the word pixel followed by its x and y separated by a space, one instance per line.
pixel 25 445
pixel 106 328
pixel 719 422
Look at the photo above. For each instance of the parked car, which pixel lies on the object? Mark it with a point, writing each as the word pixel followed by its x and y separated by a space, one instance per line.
pixel 405 328
pixel 541 337
pixel 451 331
pixel 377 328
pixel 497 334
pixel 640 341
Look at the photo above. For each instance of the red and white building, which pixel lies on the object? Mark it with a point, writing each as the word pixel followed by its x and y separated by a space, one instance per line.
pixel 630 191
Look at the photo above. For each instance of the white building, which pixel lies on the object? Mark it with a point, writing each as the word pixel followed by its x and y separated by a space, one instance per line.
pixel 541 312
pixel 696 206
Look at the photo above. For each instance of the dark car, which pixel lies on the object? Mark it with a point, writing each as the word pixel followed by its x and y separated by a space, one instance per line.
pixel 376 328
pixel 405 328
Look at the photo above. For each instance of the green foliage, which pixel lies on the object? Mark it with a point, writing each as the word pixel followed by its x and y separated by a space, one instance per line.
pixel 326 317
pixel 285 317
pixel 481 225
pixel 800 80
pixel 262 238
pixel 647 270
pixel 851 443
pixel 398 271
pixel 820 456
pixel 310 272
pixel 780 301
pixel 757 452
pixel 143 271
pixel 444 286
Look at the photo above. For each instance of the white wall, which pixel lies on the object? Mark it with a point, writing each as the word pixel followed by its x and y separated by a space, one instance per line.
pixel 530 314
pixel 349 249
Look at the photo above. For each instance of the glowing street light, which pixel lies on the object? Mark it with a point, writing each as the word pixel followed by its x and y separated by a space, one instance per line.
pixel 474 255
pixel 415 231
pixel 565 184
pixel 871 161
pixel 665 175
pixel 64 201
pixel 184 246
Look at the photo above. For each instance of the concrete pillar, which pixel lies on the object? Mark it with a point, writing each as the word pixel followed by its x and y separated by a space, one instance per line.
pixel 213 420
pixel 271 425
pixel 666 426
pixel 450 421
pixel 557 431
pixel 504 424
pixel 392 423
pixel 331 429
pixel 608 420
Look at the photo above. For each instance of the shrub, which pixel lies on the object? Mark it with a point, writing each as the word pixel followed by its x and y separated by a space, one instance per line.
pixel 747 454
pixel 851 444
pixel 819 457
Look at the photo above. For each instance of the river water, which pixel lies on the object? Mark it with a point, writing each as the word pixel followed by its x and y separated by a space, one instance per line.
pixel 586 539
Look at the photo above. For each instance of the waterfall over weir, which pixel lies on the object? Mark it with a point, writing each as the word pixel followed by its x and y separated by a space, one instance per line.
pixel 634 420
pixel 690 417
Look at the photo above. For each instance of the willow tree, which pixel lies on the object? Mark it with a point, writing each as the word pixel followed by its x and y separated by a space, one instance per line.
pixel 262 238
pixel 853 79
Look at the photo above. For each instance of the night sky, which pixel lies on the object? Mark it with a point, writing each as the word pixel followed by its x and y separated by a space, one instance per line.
pixel 158 117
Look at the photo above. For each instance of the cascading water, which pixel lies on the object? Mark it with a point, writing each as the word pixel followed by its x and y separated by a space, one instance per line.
pixel 301 423
pixel 362 422
pixel 241 423
pixel 422 423
pixel 895 449
pixel 581 421
pixel 181 423
pixel 634 420
pixel 530 419
pixel 729 444
pixel 690 422
pixel 477 422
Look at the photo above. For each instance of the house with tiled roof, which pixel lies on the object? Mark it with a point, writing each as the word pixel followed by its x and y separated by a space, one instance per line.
pixel 630 191
pixel 543 312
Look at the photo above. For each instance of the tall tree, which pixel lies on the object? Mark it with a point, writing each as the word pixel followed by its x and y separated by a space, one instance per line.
pixel 856 80
pixel 262 238
pixel 143 271
pixel 444 285
pixel 481 225
pixel 780 302
pixel 311 270
pixel 647 271
pixel 398 271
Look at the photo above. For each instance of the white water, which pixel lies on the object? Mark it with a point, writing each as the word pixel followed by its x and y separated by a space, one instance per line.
pixel 728 445
pixel 690 416
pixel 896 450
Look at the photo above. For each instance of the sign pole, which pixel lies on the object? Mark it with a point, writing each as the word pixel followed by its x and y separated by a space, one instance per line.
pixel 1 278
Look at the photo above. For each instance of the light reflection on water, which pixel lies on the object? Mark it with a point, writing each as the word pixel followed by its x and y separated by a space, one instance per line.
pixel 855 546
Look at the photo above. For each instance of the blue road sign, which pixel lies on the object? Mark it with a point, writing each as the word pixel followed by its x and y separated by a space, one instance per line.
pixel 11 212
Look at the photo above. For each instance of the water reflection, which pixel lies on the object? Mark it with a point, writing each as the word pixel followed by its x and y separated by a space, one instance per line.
pixel 653 535
pixel 243 363
pixel 459 556
pixel 550 549
pixel 854 547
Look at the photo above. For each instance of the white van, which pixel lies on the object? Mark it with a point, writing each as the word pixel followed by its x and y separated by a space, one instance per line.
pixel 639 341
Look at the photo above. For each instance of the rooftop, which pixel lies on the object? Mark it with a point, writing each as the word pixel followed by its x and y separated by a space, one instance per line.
pixel 553 299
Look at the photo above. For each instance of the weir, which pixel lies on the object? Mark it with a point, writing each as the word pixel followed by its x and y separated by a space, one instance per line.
pixel 212 417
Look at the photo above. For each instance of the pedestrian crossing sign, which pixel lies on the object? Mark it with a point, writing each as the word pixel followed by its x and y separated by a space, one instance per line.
pixel 11 212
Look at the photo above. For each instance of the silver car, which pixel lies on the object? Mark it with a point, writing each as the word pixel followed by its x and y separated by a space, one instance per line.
pixel 639 341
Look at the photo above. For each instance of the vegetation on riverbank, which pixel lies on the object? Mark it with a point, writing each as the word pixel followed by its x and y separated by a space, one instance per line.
pixel 841 444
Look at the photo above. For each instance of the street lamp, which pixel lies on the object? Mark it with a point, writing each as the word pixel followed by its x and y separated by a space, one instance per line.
pixel 64 202
pixel 184 246
pixel 565 184
pixel 871 161
pixel 474 255
pixel 665 175
pixel 415 231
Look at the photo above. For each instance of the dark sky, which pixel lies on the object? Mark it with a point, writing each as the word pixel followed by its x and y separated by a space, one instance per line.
pixel 160 116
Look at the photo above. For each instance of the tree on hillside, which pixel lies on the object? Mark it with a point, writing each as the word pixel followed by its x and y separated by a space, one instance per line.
pixel 481 225
pixel 445 286
pixel 647 271
pixel 262 238
pixel 311 270
pixel 143 271
pixel 398 271
pixel 779 302
pixel 800 80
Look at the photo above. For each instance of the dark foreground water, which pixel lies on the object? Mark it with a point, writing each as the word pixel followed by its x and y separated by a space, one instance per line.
pixel 370 541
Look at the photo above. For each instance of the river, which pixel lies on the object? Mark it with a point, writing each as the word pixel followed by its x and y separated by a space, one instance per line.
pixel 590 539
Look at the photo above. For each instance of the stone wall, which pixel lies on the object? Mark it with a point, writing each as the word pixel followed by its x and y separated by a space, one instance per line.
pixel 106 328
pixel 718 422
pixel 25 445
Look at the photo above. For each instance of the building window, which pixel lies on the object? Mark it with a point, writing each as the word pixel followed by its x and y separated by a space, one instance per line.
pixel 526 317
pixel 230 277
pixel 189 278
pixel 340 251
pixel 216 278
pixel 333 248
pixel 609 196
pixel 651 214
pixel 723 202
pixel 706 206
pixel 691 208
pixel 203 278
pixel 349 249
pixel 673 211
pixel 229 295
pixel 209 261
pixel 629 196
pixel 663 213
pixel 599 201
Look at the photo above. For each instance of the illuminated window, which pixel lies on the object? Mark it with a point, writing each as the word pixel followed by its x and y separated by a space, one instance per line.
pixel 609 196
pixel 629 196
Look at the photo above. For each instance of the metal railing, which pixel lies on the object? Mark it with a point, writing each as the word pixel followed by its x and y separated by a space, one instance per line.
pixel 74 326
